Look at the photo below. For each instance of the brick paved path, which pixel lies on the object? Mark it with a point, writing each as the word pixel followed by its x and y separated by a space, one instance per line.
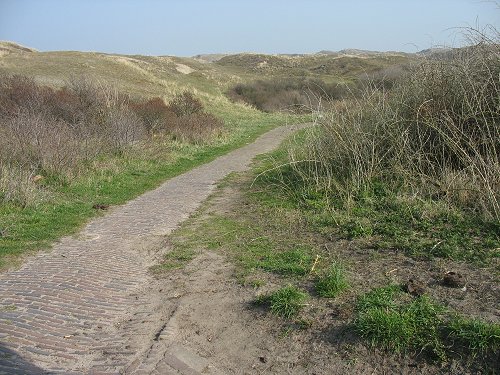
pixel 89 305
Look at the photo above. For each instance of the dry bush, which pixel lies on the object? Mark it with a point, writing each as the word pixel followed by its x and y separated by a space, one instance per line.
pixel 185 104
pixel 435 134
pixel 196 128
pixel 19 187
pixel 20 92
pixel 382 79
pixel 51 131
pixel 183 118
pixel 124 128
pixel 38 142
pixel 298 95
pixel 154 112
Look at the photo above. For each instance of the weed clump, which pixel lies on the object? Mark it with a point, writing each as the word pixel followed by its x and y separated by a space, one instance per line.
pixel 285 302
pixel 292 94
pixel 393 320
pixel 332 282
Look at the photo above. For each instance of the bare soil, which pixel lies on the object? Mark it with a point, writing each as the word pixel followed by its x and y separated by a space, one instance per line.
pixel 216 318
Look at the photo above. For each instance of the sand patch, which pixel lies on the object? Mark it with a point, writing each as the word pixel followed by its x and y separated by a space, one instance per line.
pixel 184 69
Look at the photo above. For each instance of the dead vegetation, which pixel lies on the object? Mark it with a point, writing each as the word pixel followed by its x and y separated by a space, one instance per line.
pixel 51 132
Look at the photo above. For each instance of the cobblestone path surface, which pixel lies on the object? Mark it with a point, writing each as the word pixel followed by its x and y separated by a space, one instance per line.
pixel 89 305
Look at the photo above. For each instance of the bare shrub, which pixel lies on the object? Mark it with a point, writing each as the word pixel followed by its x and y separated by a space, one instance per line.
pixel 183 117
pixel 185 104
pixel 18 186
pixel 383 79
pixel 19 92
pixel 38 142
pixel 291 94
pixel 435 134
pixel 124 128
pixel 154 113
pixel 52 130
pixel 196 128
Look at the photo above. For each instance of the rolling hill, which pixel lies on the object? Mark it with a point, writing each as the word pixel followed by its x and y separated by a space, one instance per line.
pixel 209 75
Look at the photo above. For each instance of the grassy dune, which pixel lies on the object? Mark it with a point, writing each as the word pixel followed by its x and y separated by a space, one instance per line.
pixel 60 204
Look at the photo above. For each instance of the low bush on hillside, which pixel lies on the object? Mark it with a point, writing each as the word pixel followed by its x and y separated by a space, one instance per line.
pixel 58 131
pixel 297 95
pixel 183 118
pixel 382 79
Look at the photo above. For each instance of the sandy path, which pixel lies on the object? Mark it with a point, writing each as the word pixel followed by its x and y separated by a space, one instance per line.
pixel 90 305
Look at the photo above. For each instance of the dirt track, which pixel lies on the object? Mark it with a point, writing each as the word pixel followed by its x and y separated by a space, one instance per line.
pixel 90 305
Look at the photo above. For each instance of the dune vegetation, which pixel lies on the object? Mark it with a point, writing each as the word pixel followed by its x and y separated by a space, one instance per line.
pixel 401 164
pixel 77 129
pixel 379 225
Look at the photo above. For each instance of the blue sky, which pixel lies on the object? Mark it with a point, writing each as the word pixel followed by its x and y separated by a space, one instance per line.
pixel 189 27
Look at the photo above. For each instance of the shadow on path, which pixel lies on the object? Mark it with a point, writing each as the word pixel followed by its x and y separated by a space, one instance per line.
pixel 13 363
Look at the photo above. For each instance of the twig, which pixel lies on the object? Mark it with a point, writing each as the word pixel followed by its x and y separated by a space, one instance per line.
pixel 315 263
pixel 436 245
pixel 391 271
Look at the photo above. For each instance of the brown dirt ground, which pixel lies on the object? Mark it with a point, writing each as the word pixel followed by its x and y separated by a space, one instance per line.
pixel 216 318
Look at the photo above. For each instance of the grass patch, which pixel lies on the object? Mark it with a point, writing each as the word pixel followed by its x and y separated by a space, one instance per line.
pixel 253 246
pixel 389 318
pixel 474 335
pixel 294 262
pixel 420 228
pixel 399 325
pixel 332 282
pixel 285 302
pixel 175 259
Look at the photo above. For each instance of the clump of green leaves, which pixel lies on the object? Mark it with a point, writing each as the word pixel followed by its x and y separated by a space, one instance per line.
pixel 285 302
pixel 332 282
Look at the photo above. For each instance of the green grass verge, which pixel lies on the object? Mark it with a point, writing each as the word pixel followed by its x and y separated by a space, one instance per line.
pixel 422 229
pixel 249 241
